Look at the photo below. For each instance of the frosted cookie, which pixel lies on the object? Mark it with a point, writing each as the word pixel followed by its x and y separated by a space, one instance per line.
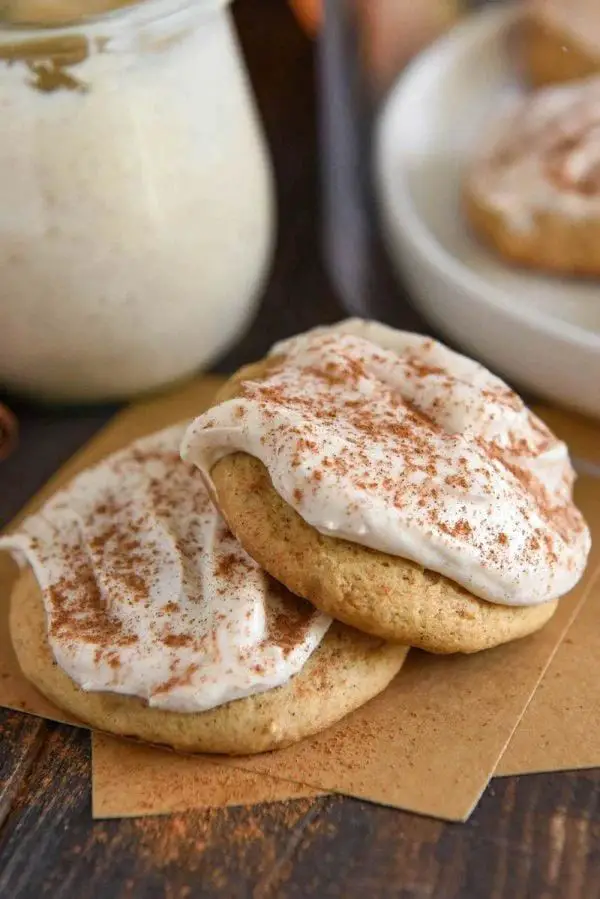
pixel 533 190
pixel 398 486
pixel 561 40
pixel 141 615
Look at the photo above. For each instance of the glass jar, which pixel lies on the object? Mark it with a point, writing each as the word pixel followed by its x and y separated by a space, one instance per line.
pixel 136 222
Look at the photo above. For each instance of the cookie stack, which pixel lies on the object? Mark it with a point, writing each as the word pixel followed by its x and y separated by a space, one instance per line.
pixel 242 582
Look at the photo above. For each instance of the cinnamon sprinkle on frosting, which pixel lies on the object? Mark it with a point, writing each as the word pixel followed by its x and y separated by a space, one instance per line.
pixel 394 442
pixel 148 593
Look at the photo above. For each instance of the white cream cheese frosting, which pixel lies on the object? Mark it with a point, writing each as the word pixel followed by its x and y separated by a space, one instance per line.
pixel 543 156
pixel 392 441
pixel 148 594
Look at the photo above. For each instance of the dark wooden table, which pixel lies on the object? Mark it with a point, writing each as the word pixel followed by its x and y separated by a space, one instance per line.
pixel 535 837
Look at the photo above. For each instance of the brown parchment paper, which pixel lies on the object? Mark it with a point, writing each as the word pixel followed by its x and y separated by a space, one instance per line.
pixel 130 780
pixel 559 730
pixel 429 743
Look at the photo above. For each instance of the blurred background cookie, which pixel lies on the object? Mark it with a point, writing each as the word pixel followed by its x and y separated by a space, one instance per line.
pixel 533 192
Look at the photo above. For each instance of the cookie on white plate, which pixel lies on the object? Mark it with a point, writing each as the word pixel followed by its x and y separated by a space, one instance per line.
pixel 532 192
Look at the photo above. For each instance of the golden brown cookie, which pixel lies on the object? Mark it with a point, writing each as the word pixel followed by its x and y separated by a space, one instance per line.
pixel 553 243
pixel 552 55
pixel 347 670
pixel 377 593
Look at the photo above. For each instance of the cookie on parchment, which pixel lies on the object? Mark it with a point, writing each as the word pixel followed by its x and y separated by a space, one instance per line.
pixel 141 615
pixel 399 487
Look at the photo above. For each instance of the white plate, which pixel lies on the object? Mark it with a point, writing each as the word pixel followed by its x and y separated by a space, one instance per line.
pixel 542 333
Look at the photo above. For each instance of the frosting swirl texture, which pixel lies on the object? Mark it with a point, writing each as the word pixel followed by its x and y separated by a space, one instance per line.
pixel 147 593
pixel 392 441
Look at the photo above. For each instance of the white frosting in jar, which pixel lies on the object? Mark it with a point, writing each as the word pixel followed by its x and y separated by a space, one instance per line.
pixel 153 133
pixel 543 156
pixel 147 593
pixel 391 440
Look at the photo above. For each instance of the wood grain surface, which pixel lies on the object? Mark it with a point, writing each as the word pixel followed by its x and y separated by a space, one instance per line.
pixel 535 837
